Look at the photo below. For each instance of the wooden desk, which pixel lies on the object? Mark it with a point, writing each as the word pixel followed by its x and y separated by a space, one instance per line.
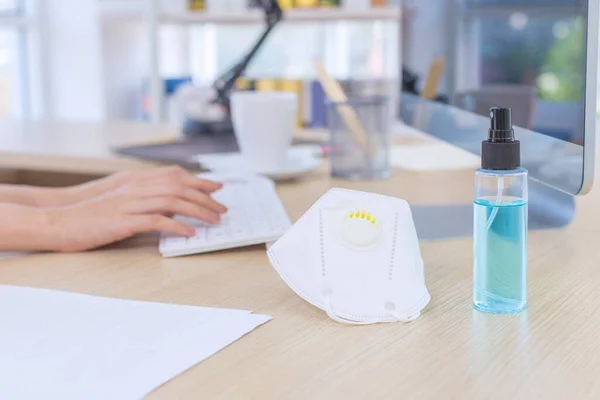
pixel 551 351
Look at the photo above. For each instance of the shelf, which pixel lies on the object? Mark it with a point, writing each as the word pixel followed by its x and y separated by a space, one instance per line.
pixel 296 15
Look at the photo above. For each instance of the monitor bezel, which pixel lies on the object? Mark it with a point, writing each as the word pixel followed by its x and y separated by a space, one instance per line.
pixel 591 97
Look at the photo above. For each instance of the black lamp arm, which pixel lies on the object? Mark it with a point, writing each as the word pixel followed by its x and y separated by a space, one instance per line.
pixel 225 83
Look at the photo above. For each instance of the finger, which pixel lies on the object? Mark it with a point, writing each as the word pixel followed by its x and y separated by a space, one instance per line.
pixel 159 223
pixel 170 205
pixel 193 196
pixel 205 185
pixel 204 200
pixel 170 174
pixel 178 174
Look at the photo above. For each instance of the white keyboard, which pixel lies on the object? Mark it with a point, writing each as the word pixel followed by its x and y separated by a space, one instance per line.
pixel 255 216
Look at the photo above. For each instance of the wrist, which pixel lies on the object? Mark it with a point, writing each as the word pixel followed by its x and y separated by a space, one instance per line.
pixel 71 195
pixel 87 191
pixel 67 196
pixel 56 197
pixel 47 233
pixel 26 228
pixel 44 197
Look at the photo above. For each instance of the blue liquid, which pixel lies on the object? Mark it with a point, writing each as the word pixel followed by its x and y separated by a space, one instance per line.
pixel 500 255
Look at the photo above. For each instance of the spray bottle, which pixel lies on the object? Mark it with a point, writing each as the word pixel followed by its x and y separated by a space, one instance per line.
pixel 500 230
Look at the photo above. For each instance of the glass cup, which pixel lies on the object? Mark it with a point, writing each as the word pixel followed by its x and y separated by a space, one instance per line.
pixel 353 158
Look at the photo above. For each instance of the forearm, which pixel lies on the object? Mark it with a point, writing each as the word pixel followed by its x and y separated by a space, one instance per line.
pixel 26 228
pixel 37 196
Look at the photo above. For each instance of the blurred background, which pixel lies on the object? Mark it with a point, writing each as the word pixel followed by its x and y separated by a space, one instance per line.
pixel 94 60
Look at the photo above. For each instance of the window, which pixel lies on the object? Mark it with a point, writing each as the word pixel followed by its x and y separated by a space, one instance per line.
pixel 7 73
pixel 12 41
pixel 10 7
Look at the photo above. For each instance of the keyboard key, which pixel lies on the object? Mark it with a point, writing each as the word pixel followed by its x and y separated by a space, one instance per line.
pixel 216 233
pixel 174 241
pixel 193 222
pixel 199 238
pixel 237 230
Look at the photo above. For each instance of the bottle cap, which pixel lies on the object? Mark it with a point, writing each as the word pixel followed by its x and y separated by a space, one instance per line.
pixel 501 151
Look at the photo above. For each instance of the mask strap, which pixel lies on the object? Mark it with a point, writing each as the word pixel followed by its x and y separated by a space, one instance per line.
pixel 331 314
pixel 404 319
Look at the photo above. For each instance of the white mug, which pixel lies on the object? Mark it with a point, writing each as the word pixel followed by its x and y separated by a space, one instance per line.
pixel 264 124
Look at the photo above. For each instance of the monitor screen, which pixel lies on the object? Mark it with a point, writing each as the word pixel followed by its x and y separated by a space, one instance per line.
pixel 532 56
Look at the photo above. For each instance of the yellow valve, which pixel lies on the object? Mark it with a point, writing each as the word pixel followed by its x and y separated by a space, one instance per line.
pixel 360 228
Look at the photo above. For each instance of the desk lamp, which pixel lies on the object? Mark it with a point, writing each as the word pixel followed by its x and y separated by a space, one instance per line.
pixel 226 82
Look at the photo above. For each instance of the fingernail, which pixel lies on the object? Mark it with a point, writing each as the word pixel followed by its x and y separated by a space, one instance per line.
pixel 224 209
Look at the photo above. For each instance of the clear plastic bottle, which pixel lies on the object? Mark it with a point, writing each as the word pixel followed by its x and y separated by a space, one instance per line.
pixel 500 230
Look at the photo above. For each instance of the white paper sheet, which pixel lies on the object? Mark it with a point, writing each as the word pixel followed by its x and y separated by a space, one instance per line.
pixel 57 345
pixel 401 130
pixel 432 156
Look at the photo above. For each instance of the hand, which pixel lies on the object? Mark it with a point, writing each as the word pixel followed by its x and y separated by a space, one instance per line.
pixel 59 197
pixel 164 175
pixel 143 204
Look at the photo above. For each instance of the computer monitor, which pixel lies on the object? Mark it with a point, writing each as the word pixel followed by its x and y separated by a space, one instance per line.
pixel 537 57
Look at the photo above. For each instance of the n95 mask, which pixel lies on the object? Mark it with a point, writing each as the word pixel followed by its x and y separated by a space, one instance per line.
pixel 356 256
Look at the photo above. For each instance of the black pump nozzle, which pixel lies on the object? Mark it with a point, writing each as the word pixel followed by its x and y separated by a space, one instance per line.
pixel 501 129
pixel 500 118
pixel 501 151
